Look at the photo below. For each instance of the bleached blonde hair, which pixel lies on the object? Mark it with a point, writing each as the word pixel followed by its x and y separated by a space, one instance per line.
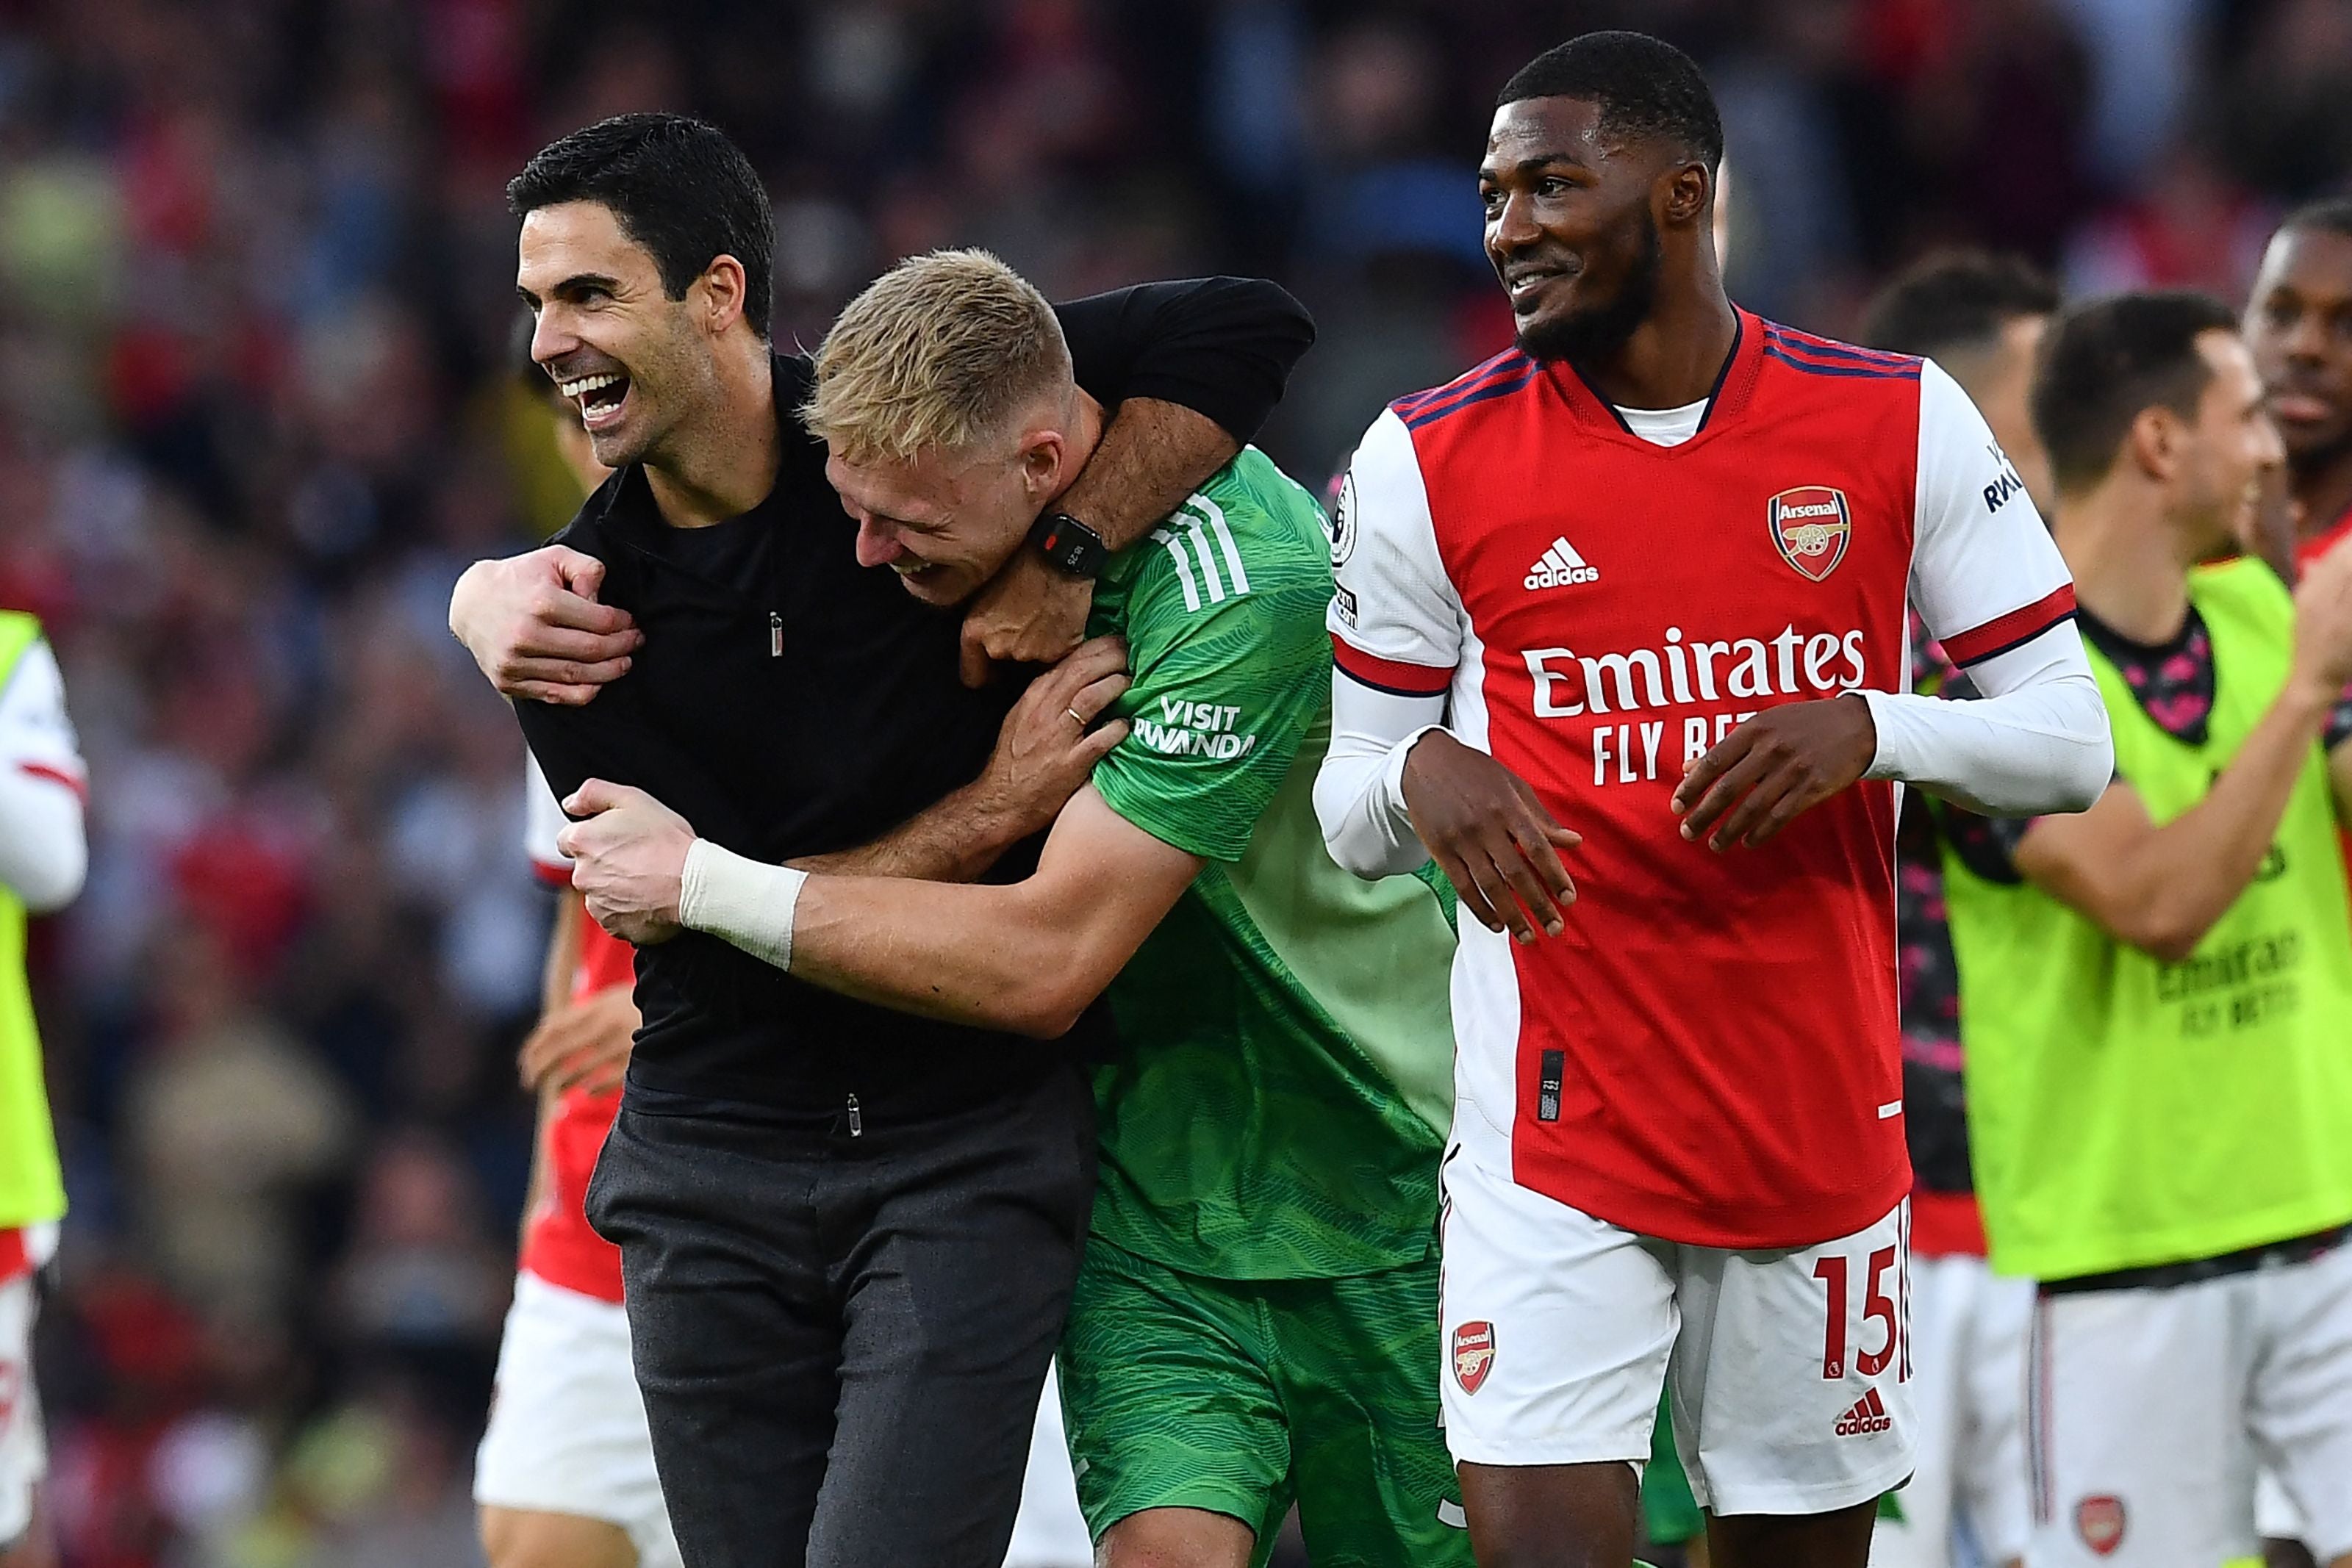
pixel 941 350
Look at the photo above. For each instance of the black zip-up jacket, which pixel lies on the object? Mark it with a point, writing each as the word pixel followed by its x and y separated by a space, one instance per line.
pixel 788 702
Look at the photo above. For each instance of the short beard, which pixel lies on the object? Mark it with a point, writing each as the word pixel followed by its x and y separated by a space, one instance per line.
pixel 2305 467
pixel 1589 336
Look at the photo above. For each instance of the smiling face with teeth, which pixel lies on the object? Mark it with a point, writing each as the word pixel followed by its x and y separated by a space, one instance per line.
pixel 946 520
pixel 635 362
pixel 1573 223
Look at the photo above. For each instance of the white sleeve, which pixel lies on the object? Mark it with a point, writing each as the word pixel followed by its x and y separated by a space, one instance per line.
pixel 44 853
pixel 1396 636
pixel 542 819
pixel 1991 587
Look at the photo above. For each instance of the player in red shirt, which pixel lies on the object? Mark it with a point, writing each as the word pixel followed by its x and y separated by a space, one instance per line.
pixel 566 1469
pixel 1652 564
pixel 2298 323
pixel 565 1475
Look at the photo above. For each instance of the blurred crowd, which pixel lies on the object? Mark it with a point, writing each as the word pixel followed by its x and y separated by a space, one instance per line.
pixel 257 409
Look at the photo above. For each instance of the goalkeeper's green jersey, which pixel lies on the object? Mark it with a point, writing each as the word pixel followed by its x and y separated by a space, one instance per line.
pixel 1279 1101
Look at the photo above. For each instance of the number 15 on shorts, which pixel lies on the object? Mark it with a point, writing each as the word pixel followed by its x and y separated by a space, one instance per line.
pixel 1884 1312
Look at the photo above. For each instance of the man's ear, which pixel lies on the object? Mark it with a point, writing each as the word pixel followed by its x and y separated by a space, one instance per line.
pixel 1681 196
pixel 2153 440
pixel 719 294
pixel 1043 455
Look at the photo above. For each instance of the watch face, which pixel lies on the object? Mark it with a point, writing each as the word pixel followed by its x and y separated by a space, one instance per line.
pixel 1070 545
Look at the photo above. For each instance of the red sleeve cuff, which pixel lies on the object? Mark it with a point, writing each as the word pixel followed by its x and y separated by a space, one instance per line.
pixel 2013 630
pixel 555 873
pixel 75 782
pixel 1388 676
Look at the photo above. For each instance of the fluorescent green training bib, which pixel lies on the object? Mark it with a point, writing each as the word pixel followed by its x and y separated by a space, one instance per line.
pixel 2125 1111
pixel 31 1187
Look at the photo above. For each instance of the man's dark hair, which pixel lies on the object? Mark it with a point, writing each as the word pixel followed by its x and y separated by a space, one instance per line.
pixel 1956 300
pixel 2101 364
pixel 1645 86
pixel 2333 214
pixel 679 188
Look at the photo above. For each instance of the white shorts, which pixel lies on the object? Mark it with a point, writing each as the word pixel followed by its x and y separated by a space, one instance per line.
pixel 1049 1531
pixel 1560 1328
pixel 1968 1390
pixel 24 1457
pixel 567 1431
pixel 2150 1412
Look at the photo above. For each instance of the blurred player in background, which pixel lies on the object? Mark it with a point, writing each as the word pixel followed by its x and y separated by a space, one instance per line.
pixel 1979 318
pixel 1254 1318
pixel 2157 992
pixel 566 1471
pixel 566 1477
pixel 1649 1182
pixel 43 855
pixel 2298 323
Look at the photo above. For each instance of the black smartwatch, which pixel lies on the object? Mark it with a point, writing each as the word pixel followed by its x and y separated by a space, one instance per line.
pixel 1070 544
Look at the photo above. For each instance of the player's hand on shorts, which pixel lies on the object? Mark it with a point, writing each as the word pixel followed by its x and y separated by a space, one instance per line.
pixel 1490 835
pixel 1053 738
pixel 628 860
pixel 532 623
pixel 584 1046
pixel 1783 762
pixel 1028 614
pixel 2322 620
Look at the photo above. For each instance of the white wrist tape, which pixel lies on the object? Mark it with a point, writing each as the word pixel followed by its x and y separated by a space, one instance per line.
pixel 741 901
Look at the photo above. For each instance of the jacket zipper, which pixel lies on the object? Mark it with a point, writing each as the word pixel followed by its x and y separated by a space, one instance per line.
pixel 775 635
pixel 856 1123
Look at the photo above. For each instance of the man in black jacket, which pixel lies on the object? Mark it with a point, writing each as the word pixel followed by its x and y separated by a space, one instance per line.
pixel 848 1235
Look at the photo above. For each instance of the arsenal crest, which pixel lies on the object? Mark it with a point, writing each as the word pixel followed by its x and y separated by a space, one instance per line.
pixel 1474 1354
pixel 2100 1522
pixel 1811 526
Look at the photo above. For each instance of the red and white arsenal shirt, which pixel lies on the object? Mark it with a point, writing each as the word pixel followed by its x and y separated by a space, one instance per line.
pixel 558 1243
pixel 1710 1053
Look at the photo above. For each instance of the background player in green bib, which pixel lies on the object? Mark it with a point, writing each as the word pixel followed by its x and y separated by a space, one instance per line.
pixel 42 860
pixel 1256 1318
pixel 2156 995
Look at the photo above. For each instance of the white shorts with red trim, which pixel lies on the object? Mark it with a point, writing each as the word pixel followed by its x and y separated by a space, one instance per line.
pixel 2150 1411
pixel 1788 1368
pixel 567 1431
pixel 1967 1387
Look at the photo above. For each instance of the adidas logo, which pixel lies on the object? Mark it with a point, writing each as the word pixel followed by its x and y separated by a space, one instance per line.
pixel 1561 567
pixel 1868 1414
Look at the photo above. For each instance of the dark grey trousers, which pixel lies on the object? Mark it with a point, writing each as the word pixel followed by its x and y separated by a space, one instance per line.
pixel 841 1339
